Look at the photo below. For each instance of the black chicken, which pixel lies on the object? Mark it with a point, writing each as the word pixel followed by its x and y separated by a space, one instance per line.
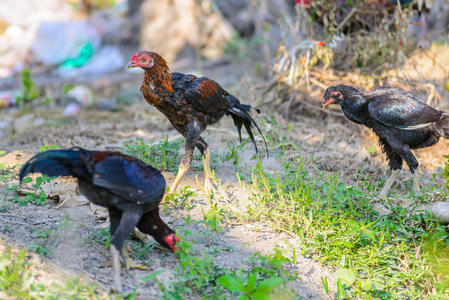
pixel 191 104
pixel 130 189
pixel 399 119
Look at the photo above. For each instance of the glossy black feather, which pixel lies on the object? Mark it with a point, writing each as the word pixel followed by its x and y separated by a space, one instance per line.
pixel 397 108
pixel 125 185
pixel 122 175
pixel 129 178
pixel 55 163
pixel 211 101
pixel 400 120
pixel 206 96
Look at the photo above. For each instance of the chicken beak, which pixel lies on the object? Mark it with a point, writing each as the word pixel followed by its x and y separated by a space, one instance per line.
pixel 130 65
pixel 329 102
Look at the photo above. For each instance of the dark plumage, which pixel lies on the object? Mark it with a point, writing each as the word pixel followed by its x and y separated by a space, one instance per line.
pixel 128 188
pixel 191 104
pixel 400 120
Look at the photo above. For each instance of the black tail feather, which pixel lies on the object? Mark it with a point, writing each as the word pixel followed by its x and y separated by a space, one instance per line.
pixel 238 124
pixel 55 163
pixel 240 116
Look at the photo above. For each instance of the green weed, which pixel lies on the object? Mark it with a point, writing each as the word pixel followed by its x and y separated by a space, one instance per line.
pixel 17 282
pixel 162 155
pixel 29 91
pixel 375 256
pixel 41 249
pixel 180 200
pixel 37 196
pixel 100 236
pixel 213 216
pixel 200 276
pixel 46 147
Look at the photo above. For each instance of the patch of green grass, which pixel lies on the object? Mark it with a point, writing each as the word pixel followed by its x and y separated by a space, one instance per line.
pixel 180 200
pixel 44 233
pixel 436 255
pixel 213 217
pixel 29 92
pixel 46 147
pixel 6 173
pixel 37 196
pixel 162 155
pixel 141 250
pixel 199 276
pixel 264 280
pixel 41 249
pixel 374 256
pixel 18 282
pixel 100 236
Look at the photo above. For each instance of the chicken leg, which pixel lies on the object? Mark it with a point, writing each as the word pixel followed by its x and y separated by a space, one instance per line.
pixel 416 188
pixel 114 219
pixel 128 222
pixel 388 184
pixel 193 134
pixel 115 256
pixel 204 149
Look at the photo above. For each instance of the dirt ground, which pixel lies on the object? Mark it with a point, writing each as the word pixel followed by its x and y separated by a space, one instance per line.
pixel 328 143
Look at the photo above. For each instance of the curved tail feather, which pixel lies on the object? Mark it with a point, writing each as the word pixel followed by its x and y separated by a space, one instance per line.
pixel 241 117
pixel 56 163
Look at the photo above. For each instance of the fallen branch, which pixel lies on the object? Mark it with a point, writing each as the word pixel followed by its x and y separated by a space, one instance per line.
pixel 346 19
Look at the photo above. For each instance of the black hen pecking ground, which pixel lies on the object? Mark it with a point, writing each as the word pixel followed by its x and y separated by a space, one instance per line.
pixel 128 188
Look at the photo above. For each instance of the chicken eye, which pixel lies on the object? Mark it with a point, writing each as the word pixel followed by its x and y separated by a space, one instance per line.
pixel 144 59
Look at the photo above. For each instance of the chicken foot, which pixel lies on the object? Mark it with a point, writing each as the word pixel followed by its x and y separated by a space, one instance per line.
pixel 128 264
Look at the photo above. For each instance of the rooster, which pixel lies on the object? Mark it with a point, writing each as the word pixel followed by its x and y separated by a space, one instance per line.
pixel 128 188
pixel 399 119
pixel 191 104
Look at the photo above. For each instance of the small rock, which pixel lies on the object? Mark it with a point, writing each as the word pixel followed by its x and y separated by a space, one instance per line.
pixel 441 211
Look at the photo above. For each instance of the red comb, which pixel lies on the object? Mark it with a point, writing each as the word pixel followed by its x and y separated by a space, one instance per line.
pixel 134 57
pixel 171 240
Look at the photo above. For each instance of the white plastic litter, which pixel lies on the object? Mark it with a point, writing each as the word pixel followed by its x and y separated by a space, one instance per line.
pixel 82 94
pixel 107 59
pixel 56 41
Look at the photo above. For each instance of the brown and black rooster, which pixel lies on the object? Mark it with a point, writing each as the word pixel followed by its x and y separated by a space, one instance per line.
pixel 191 104
pixel 128 188
pixel 399 119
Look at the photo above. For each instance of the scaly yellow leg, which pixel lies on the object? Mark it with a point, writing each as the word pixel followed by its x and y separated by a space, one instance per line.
pixel 416 188
pixel 115 256
pixel 208 186
pixel 388 184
